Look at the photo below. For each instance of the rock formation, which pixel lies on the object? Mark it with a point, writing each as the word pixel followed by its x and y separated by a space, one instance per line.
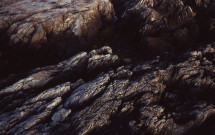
pixel 51 29
pixel 58 76
pixel 165 95
pixel 177 23
pixel 34 23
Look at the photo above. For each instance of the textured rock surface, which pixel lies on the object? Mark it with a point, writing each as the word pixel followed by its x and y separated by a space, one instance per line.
pixel 176 24
pixel 158 15
pixel 61 28
pixel 51 20
pixel 42 32
pixel 101 92
pixel 163 96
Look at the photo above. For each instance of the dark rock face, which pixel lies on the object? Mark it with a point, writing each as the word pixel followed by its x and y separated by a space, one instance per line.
pixel 178 23
pixel 166 95
pixel 159 15
pixel 159 18
pixel 103 91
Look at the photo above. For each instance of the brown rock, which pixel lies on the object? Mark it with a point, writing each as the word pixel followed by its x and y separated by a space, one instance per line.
pixel 36 22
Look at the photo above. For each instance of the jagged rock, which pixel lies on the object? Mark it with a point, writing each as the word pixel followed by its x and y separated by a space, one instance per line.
pixel 152 17
pixel 178 23
pixel 48 21
pixel 61 28
pixel 83 95
pixel 163 96
pixel 92 92
pixel 159 15
pixel 43 32
pixel 70 69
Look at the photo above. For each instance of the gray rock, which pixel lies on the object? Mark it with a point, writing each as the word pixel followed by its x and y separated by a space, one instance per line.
pixel 85 92
pixel 67 70
pixel 60 116
pixel 162 96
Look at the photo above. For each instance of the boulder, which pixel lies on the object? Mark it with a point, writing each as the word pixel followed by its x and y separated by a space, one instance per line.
pixel 33 23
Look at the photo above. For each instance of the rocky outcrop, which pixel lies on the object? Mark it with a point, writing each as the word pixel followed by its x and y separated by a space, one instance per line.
pixel 175 25
pixel 48 21
pixel 101 92
pixel 42 32
pixel 158 16
pixel 163 96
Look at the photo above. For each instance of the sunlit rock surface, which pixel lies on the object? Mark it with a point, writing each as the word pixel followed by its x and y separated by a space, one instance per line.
pixel 163 96
pixel 156 78
pixel 36 22
pixel 33 32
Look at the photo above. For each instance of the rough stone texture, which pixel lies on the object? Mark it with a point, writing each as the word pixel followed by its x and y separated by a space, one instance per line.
pixel 174 24
pixel 98 92
pixel 163 96
pixel 51 20
pixel 63 27
pixel 158 15
pixel 42 32
pixel 155 17
pixel 70 69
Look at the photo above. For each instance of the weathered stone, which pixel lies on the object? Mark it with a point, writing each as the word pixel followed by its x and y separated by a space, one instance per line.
pixel 44 32
pixel 97 92
pixel 169 24
pixel 51 20
pixel 162 96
